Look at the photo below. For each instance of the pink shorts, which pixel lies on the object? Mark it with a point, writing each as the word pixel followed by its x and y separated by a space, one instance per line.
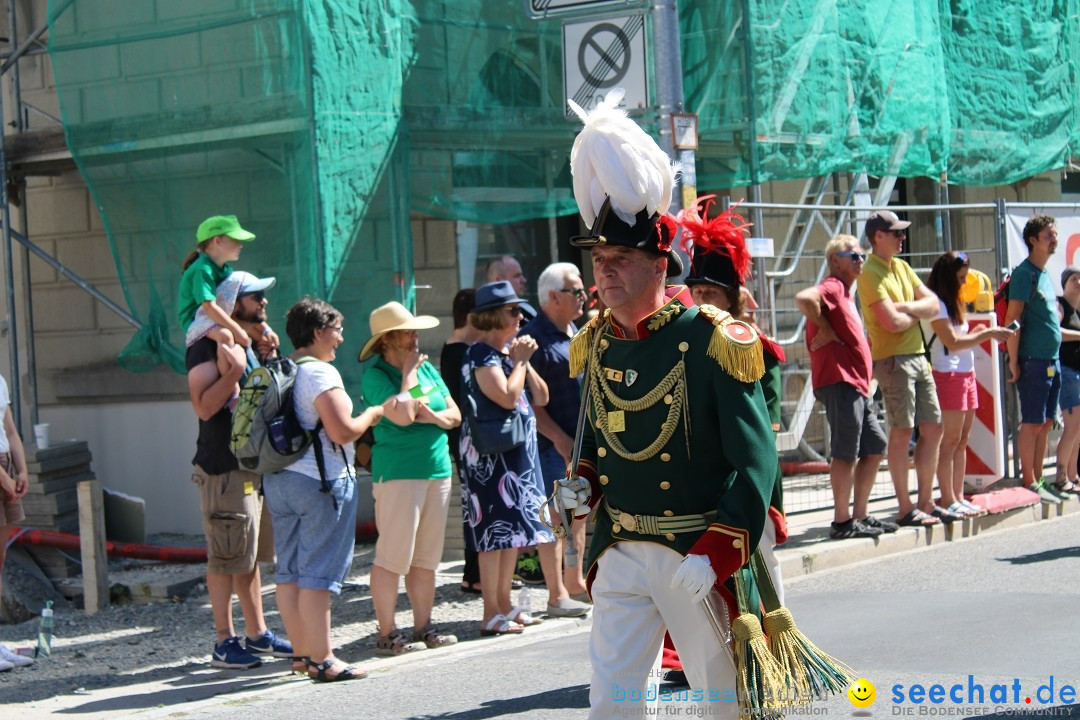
pixel 956 391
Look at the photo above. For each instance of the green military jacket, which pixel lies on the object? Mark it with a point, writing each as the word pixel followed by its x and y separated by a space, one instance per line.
pixel 717 454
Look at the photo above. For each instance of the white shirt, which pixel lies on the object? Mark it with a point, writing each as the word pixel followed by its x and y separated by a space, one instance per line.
pixel 312 380
pixel 942 360
pixel 5 400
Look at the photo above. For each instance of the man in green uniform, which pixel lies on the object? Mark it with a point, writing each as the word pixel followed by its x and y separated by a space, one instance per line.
pixel 678 452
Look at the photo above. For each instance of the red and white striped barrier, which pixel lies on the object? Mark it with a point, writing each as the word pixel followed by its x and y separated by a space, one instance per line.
pixel 985 451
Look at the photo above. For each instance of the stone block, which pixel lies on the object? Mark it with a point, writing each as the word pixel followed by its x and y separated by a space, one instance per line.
pixel 440 238
pixel 444 285
pixel 88 256
pixel 65 307
pixel 416 229
pixel 125 517
pixel 26 589
pixel 57 211
pixel 104 318
pixel 41 273
pixel 159 56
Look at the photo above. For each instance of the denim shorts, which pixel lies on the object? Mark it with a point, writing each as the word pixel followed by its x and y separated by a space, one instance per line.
pixel 552 467
pixel 1070 388
pixel 314 542
pixel 1039 389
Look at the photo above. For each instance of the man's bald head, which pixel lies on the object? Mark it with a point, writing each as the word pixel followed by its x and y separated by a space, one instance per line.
pixel 509 269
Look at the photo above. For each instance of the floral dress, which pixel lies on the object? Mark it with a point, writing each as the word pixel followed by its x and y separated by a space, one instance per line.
pixel 501 494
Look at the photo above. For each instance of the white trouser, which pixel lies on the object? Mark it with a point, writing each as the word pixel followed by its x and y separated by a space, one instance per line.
pixel 633 603
pixel 767 546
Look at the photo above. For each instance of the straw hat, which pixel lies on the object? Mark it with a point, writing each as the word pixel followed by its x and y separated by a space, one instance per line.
pixel 390 317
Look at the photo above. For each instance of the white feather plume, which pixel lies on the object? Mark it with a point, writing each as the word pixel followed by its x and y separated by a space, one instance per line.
pixel 613 157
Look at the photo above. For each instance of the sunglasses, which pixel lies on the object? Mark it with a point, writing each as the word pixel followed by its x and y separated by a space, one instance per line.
pixel 514 311
pixel 854 255
pixel 259 296
pixel 579 293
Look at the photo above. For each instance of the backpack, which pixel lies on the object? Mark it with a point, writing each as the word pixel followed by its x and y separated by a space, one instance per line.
pixel 266 434
pixel 1001 298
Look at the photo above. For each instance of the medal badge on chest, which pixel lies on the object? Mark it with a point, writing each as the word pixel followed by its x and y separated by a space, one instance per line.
pixel 631 376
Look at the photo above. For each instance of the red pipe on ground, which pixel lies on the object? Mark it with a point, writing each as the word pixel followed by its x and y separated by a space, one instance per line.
pixel 365 530
pixel 810 467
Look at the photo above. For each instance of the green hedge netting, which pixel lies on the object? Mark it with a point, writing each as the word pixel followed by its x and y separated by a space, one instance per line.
pixel 324 124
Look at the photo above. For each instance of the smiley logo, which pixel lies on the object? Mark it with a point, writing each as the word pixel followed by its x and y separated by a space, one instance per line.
pixel 862 693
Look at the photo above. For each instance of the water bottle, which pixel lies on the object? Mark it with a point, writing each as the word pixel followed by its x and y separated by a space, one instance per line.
pixel 44 638
pixel 525 600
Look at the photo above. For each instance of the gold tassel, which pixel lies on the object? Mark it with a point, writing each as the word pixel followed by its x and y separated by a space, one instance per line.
pixel 812 672
pixel 761 680
pixel 744 362
pixel 581 345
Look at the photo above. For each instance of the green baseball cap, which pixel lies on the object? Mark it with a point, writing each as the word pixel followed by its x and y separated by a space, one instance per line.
pixel 222 225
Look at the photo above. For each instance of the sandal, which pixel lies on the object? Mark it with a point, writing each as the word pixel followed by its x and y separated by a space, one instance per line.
pixel 499 625
pixel 916 518
pixel 347 673
pixel 519 616
pixel 396 644
pixel 975 510
pixel 960 510
pixel 852 528
pixel 946 516
pixel 1067 487
pixel 300 665
pixel 471 588
pixel 433 638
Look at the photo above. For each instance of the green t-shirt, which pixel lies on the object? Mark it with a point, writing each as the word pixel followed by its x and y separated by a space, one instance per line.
pixel 198 284
pixel 895 281
pixel 419 451
pixel 1040 331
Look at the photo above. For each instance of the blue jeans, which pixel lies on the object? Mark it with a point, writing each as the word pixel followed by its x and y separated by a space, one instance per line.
pixel 314 542
pixel 552 467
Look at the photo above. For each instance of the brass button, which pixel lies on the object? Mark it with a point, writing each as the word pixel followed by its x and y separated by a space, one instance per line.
pixel 665 457
pixel 616 528
pixel 603 343
pixel 603 479
pixel 670 537
pixel 737 544
pixel 665 485
pixel 668 513
pixel 601 452
pixel 684 346
pixel 628 521
pixel 668 399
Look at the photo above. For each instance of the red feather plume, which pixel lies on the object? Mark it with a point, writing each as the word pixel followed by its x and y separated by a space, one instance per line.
pixel 724 234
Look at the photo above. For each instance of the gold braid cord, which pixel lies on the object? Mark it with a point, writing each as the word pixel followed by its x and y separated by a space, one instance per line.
pixel 735 345
pixel 582 342
pixel 674 382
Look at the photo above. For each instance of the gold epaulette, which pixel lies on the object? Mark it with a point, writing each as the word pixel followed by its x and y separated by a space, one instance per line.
pixel 734 345
pixel 581 344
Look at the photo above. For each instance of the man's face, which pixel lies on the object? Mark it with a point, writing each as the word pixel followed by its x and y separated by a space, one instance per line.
pixel 623 275
pixel 512 272
pixel 706 294
pixel 1046 240
pixel 568 303
pixel 889 242
pixel 251 307
pixel 847 264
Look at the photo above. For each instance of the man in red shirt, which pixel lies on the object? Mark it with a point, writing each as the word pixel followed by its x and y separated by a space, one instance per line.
pixel 840 370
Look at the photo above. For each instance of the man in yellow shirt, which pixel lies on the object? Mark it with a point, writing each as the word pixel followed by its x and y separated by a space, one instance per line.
pixel 894 300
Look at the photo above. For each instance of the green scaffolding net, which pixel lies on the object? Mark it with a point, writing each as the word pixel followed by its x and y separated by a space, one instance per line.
pixel 326 126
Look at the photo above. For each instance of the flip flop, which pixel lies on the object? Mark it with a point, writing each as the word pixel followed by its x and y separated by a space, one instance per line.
pixel 499 625
pixel 946 516
pixel 519 616
pixel 471 588
pixel 916 518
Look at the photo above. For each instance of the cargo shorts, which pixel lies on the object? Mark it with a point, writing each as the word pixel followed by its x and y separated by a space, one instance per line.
pixel 238 533
pixel 907 385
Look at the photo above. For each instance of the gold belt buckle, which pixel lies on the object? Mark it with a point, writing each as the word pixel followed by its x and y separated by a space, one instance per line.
pixel 628 521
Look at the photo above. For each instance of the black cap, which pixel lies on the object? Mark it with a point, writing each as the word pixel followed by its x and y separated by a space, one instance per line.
pixel 651 234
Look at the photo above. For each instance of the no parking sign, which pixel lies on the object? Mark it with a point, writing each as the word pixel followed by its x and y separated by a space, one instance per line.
pixel 599 55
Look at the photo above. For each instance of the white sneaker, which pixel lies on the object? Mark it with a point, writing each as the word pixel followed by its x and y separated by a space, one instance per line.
pixel 5 666
pixel 14 659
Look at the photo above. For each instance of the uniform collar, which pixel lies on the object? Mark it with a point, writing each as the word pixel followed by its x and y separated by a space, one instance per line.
pixel 677 300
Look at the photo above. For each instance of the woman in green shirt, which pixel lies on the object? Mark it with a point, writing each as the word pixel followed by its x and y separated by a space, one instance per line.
pixel 410 471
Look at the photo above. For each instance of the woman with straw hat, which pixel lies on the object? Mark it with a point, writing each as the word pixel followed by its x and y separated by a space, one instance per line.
pixel 410 472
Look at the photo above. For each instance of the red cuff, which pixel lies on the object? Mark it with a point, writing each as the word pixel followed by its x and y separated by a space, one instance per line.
pixel 779 521
pixel 588 471
pixel 728 549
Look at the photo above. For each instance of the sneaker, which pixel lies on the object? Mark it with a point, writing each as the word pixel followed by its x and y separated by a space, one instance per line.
pixel 853 529
pixel 231 654
pixel 528 569
pixel 567 607
pixel 882 525
pixel 1045 495
pixel 5 666
pixel 15 659
pixel 269 644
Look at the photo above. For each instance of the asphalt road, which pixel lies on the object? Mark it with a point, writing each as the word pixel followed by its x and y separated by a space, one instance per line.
pixel 1001 609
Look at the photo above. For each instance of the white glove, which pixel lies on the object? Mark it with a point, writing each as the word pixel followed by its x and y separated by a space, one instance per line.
pixel 696 576
pixel 574 492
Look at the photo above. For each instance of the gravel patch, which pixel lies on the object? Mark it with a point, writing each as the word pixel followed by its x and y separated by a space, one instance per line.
pixel 134 643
